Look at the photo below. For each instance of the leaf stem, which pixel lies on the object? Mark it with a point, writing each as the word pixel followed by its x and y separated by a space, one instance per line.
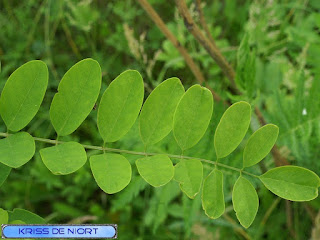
pixel 45 140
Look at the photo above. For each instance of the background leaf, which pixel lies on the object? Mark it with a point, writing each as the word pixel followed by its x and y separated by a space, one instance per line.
pixel 156 170
pixel 260 144
pixel 112 172
pixel 64 158
pixel 4 172
pixel 292 183
pixel 245 201
pixel 192 116
pixel 120 105
pixel 17 149
pixel 77 93
pixel 25 216
pixel 156 118
pixel 189 174
pixel 23 93
pixel 232 128
pixel 212 195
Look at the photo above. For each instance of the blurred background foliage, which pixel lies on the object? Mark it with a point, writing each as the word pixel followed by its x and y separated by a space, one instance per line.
pixel 279 37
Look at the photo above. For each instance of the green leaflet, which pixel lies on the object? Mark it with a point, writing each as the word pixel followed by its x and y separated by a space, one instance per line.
pixel 3 216
pixel 156 170
pixel 76 96
pixel 292 183
pixel 192 116
pixel 212 195
pixel 64 158
pixel 25 216
pixel 189 174
pixel 120 105
pixel 4 172
pixel 17 149
pixel 156 117
pixel 260 144
pixel 23 93
pixel 112 172
pixel 245 201
pixel 232 128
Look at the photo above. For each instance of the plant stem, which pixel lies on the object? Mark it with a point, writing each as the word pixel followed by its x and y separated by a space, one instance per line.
pixel 91 147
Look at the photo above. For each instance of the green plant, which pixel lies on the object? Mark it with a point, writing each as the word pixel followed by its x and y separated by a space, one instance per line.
pixel 167 108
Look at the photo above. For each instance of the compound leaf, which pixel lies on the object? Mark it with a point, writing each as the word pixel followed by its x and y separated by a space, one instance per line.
pixel 112 172
pixel 64 158
pixel 156 117
pixel 76 96
pixel 120 105
pixel 232 128
pixel 4 172
pixel 189 174
pixel 25 216
pixel 23 93
pixel 192 116
pixel 292 183
pixel 17 149
pixel 245 201
pixel 212 195
pixel 156 170
pixel 260 144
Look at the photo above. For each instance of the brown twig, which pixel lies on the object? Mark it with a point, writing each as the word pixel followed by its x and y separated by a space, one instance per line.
pixel 162 26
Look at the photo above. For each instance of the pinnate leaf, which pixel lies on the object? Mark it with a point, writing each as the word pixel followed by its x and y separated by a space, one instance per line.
pixel 192 116
pixel 23 93
pixel 212 195
pixel 77 93
pixel 292 183
pixel 245 201
pixel 232 128
pixel 112 172
pixel 156 170
pixel 120 105
pixel 64 158
pixel 156 118
pixel 17 149
pixel 260 144
pixel 189 174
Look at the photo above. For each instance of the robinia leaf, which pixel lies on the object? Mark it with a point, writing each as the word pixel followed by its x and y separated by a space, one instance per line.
pixel 232 128
pixel 192 116
pixel 212 195
pixel 4 172
pixel 25 216
pixel 64 158
pixel 112 172
pixel 156 170
pixel 189 174
pixel 292 183
pixel 120 105
pixel 260 144
pixel 156 117
pixel 77 93
pixel 23 93
pixel 245 201
pixel 17 149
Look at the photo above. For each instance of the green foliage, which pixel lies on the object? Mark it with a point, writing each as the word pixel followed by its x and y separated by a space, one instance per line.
pixel 120 105
pixel 232 128
pixel 245 201
pixel 23 215
pixel 77 94
pixel 292 183
pixel 212 195
pixel 156 117
pixel 156 170
pixel 23 93
pixel 112 172
pixel 192 116
pixel 259 144
pixel 17 149
pixel 189 174
pixel 4 172
pixel 64 158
